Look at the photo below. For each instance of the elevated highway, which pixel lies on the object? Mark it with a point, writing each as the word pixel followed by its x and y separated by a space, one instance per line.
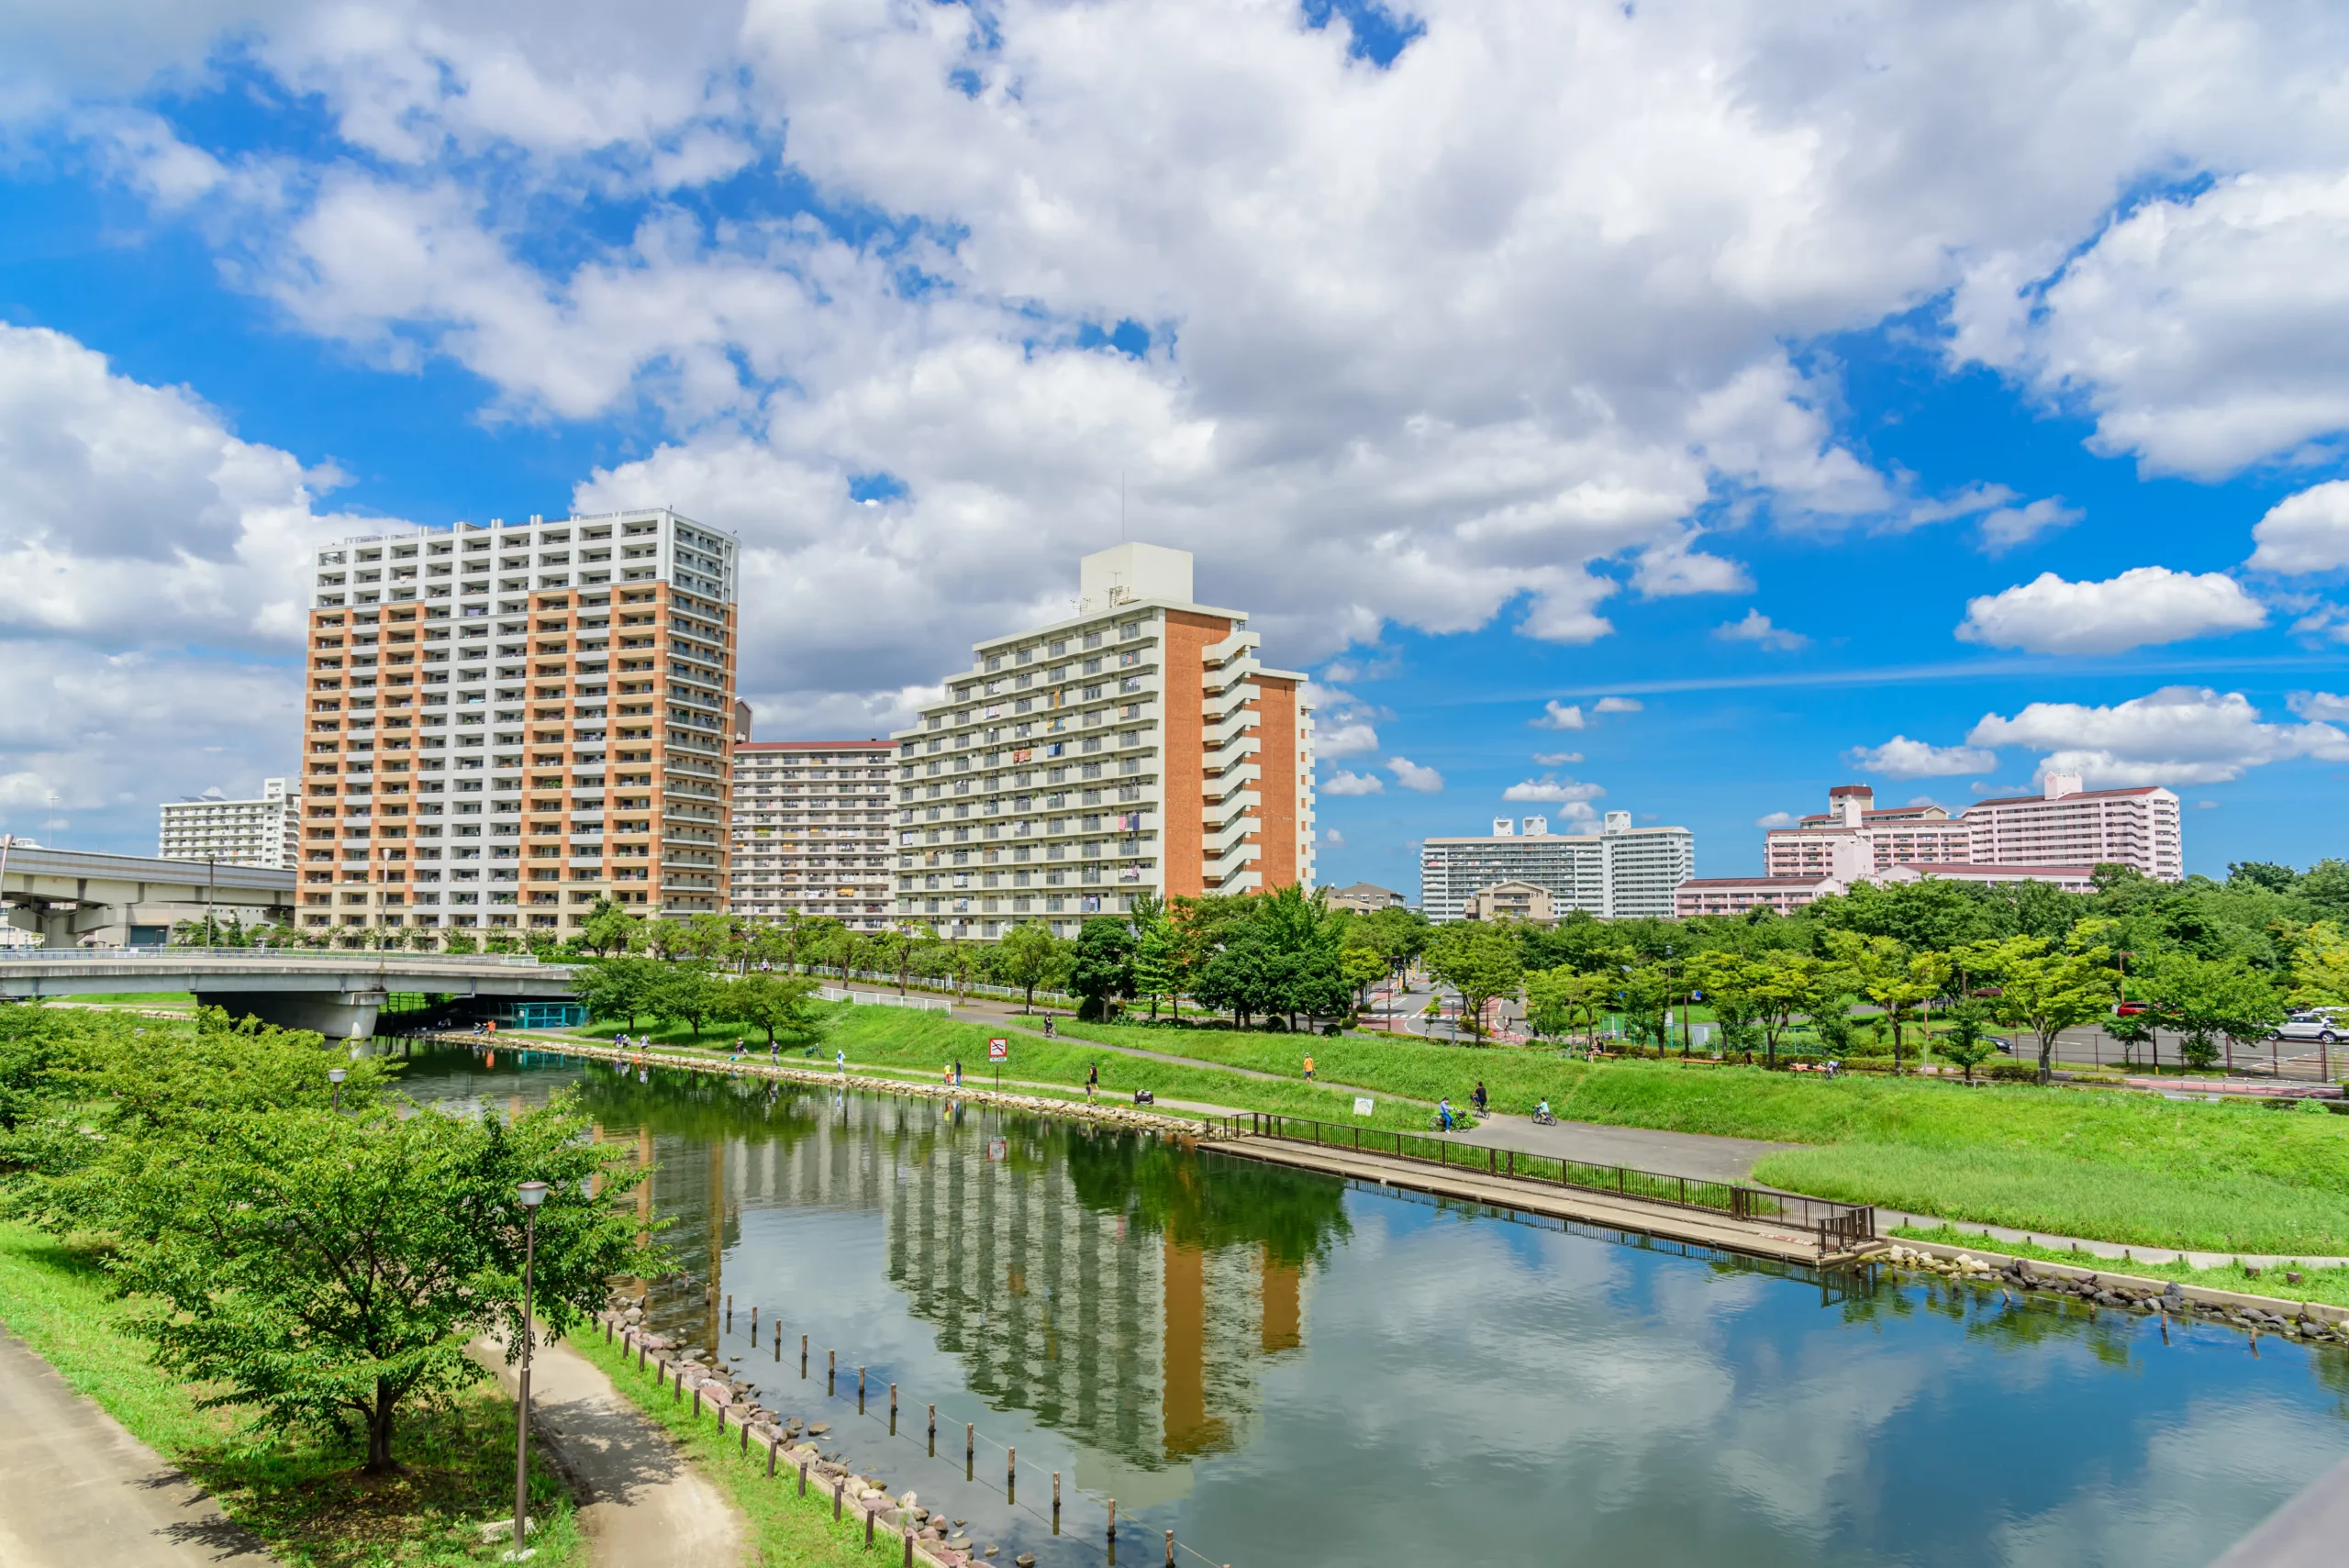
pixel 71 896
pixel 337 993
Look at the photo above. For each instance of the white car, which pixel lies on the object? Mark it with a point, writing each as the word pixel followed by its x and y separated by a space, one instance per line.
pixel 2318 1025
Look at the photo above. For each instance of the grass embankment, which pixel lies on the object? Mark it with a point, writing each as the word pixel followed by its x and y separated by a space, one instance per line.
pixel 2111 1165
pixel 784 1529
pixel 2329 1287
pixel 181 1001
pixel 918 1045
pixel 305 1498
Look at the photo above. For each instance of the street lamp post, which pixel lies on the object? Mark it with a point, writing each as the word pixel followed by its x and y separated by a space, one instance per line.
pixel 335 1075
pixel 532 1194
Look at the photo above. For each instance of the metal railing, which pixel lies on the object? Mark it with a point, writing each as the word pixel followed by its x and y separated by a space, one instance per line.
pixel 266 955
pixel 1838 1226
pixel 885 999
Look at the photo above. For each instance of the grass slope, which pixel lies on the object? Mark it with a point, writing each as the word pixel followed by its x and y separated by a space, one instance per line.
pixel 2112 1165
pixel 785 1530
pixel 303 1497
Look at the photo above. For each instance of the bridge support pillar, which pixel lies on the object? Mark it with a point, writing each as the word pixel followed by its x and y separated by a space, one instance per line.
pixel 338 1014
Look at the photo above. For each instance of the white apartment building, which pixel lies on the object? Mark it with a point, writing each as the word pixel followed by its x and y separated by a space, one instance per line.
pixel 1138 746
pixel 1617 873
pixel 2069 826
pixel 505 724
pixel 210 826
pixel 811 830
pixel 2063 827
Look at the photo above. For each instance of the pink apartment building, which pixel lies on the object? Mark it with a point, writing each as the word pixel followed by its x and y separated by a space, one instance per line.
pixel 2063 827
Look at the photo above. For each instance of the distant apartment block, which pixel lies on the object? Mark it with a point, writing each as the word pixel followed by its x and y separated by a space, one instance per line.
pixel 1512 901
pixel 1138 746
pixel 811 830
pixel 1617 873
pixel 2063 825
pixel 1366 898
pixel 505 724
pixel 1784 895
pixel 210 826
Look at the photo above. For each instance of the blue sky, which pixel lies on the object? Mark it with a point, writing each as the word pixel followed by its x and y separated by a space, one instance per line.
pixel 1877 397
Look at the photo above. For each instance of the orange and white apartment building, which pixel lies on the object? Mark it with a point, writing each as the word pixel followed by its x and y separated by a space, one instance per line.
pixel 1140 746
pixel 505 724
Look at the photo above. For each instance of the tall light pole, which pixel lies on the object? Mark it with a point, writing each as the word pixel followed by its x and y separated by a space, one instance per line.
pixel 532 1194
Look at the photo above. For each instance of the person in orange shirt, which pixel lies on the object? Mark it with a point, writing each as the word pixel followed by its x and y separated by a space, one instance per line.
pixel 1308 1068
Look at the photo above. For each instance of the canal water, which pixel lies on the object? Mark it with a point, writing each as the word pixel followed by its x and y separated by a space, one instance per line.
pixel 1286 1369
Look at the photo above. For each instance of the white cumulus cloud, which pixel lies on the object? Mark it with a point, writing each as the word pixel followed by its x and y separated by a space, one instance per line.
pixel 1345 739
pixel 1412 776
pixel 2325 708
pixel 2179 735
pixel 1344 782
pixel 1556 715
pixel 1553 789
pixel 1901 758
pixel 1776 819
pixel 1617 704
pixel 2144 605
pixel 1757 629
pixel 1556 759
pixel 2304 533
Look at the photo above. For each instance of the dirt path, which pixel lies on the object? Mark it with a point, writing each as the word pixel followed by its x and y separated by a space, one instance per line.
pixel 77 1490
pixel 641 1502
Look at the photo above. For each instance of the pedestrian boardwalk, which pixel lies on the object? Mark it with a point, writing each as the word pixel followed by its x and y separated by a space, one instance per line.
pixel 1752 1238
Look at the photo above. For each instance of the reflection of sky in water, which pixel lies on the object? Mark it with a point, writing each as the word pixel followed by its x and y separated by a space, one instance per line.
pixel 1435 1386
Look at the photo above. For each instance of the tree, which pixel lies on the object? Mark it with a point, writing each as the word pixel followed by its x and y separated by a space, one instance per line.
pixel 1031 957
pixel 460 941
pixel 2319 965
pixel 1968 1041
pixel 1736 989
pixel 1101 971
pixel 1479 960
pixel 609 927
pixel 1362 969
pixel 891 953
pixel 710 938
pixel 777 1003
pixel 1565 1000
pixel 1156 954
pixel 690 995
pixel 329 1269
pixel 2203 998
pixel 2043 991
pixel 623 988
pixel 1892 976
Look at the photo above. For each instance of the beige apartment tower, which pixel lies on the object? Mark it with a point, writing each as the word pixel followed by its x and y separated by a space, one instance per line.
pixel 811 830
pixel 505 724
pixel 1138 746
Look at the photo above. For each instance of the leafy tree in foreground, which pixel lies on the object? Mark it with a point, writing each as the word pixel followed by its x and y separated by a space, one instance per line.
pixel 2042 991
pixel 689 995
pixel 328 1269
pixel 624 988
pixel 1968 1043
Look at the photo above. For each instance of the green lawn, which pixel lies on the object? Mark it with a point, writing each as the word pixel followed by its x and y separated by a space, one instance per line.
pixel 134 999
pixel 786 1530
pixel 2112 1165
pixel 304 1498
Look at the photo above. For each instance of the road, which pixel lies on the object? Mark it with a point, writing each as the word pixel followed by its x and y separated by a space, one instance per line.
pixel 76 1490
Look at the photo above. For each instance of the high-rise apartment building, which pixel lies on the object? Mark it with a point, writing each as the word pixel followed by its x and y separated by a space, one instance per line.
pixel 811 830
pixel 505 724
pixel 210 826
pixel 1138 746
pixel 1820 844
pixel 1619 873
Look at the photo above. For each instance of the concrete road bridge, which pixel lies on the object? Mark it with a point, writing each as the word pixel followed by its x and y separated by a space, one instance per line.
pixel 337 993
pixel 67 897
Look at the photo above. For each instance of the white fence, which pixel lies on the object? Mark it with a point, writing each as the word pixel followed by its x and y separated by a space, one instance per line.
pixel 886 999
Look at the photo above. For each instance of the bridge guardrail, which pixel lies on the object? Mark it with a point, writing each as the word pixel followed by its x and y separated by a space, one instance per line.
pixel 270 955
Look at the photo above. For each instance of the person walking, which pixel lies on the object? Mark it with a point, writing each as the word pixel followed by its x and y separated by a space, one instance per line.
pixel 840 1056
pixel 958 1072
pixel 1048 1026
pixel 1480 1097
pixel 1091 1079
pixel 1308 1067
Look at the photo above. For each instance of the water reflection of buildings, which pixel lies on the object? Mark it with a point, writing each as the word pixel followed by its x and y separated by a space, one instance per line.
pixel 1085 1281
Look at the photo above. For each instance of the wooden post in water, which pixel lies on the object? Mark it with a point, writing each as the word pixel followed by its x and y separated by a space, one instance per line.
pixel 1113 1518
pixel 1170 1548
pixel 933 1431
pixel 754 1325
pixel 1011 1475
pixel 893 1409
pixel 1056 1501
pixel 803 1356
pixel 831 1372
pixel 970 1448
pixel 729 1311
pixel 860 1391
pixel 778 1341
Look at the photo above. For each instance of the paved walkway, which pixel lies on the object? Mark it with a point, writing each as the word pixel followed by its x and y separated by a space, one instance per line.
pixel 1691 1154
pixel 78 1491
pixel 641 1502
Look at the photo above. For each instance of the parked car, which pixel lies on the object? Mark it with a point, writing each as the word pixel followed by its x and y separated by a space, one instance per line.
pixel 2321 1024
pixel 2129 1009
